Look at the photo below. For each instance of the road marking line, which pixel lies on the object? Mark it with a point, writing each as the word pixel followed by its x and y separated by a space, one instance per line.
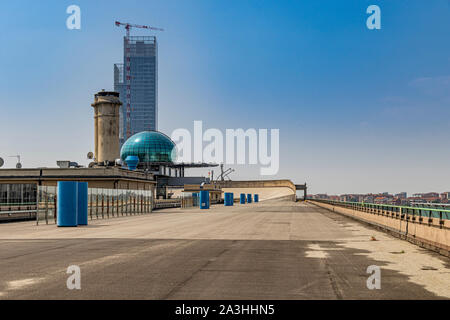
pixel 316 251
pixel 20 284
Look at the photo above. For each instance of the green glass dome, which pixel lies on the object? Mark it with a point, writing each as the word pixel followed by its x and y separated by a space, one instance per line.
pixel 149 146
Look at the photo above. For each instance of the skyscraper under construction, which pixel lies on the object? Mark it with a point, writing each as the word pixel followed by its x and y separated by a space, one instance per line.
pixel 144 86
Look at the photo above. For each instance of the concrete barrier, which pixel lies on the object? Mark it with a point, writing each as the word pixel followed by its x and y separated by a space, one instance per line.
pixel 433 234
pixel 258 184
pixel 266 189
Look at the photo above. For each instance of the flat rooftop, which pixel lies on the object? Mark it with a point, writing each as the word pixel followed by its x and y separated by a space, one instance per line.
pixel 268 250
pixel 109 173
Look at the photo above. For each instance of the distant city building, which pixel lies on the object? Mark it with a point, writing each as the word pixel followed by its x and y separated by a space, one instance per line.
pixel 429 198
pixel 144 86
pixel 402 195
pixel 445 196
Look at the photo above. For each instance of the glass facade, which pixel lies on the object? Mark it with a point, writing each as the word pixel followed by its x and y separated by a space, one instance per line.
pixel 149 146
pixel 144 86
pixel 18 193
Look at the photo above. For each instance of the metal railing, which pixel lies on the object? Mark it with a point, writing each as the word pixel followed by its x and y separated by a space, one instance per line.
pixel 102 203
pixel 168 203
pixel 402 212
pixel 17 211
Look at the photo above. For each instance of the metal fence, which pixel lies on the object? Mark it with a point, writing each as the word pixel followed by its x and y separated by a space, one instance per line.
pixel 190 200
pixel 186 200
pixel 102 203
pixel 17 201
pixel 415 213
pixel 431 205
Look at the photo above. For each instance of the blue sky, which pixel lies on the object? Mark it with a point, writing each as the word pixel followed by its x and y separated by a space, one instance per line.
pixel 358 110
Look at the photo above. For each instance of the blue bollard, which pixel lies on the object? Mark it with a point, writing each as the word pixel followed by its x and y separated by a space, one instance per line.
pixel 225 199
pixel 242 201
pixel 82 203
pixel 204 199
pixel 228 199
pixel 256 197
pixel 249 198
pixel 67 204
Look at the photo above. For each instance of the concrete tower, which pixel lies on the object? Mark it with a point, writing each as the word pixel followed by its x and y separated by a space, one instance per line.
pixel 106 107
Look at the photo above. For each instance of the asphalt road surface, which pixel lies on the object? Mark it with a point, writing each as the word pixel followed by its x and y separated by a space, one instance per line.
pixel 268 250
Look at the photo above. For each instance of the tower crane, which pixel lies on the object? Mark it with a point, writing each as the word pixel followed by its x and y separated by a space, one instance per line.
pixel 128 27
pixel 224 174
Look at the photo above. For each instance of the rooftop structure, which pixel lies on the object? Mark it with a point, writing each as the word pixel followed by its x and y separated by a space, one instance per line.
pixel 150 147
pixel 106 126
pixel 100 177
pixel 143 93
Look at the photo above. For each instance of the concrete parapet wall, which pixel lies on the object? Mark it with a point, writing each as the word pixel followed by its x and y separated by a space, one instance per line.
pixel 264 193
pixel 430 234
pixel 266 189
pixel 258 184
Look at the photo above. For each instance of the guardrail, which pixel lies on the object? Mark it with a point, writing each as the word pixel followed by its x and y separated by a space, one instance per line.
pixel 402 212
pixel 17 211
pixel 167 203
pixel 183 202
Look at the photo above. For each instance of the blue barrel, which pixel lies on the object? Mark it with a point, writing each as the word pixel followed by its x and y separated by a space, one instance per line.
pixel 249 198
pixel 204 199
pixel 228 199
pixel 256 198
pixel 67 204
pixel 232 198
pixel 82 203
pixel 132 162
pixel 242 200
